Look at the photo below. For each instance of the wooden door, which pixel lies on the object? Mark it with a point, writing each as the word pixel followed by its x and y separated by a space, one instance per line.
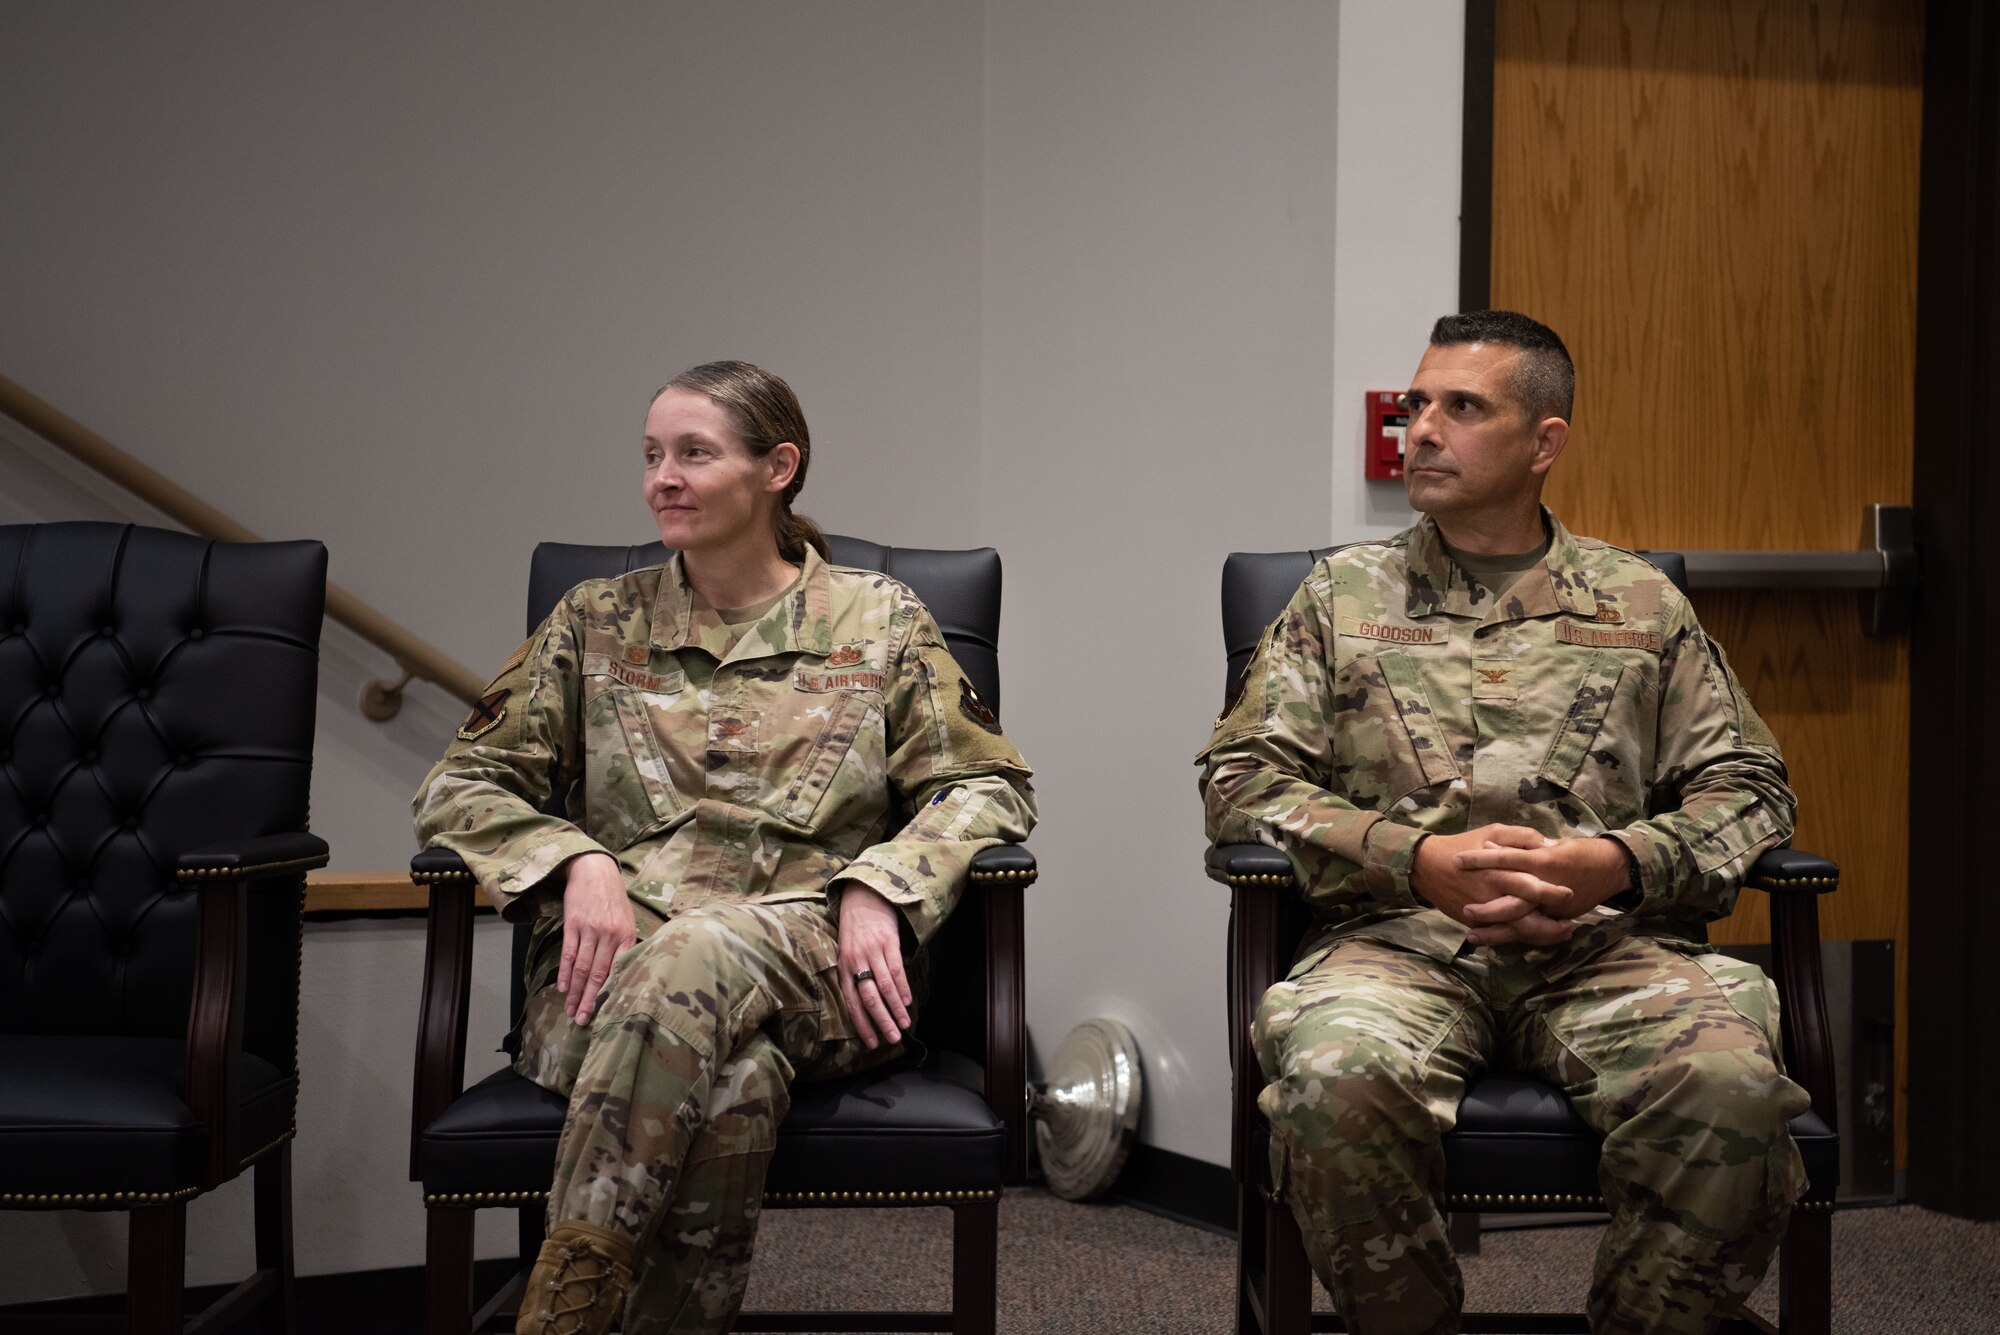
pixel 1715 203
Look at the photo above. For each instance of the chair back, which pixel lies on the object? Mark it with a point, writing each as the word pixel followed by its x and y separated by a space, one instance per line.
pixel 962 590
pixel 157 695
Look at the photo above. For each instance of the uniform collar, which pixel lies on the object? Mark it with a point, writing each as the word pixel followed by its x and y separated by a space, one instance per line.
pixel 680 621
pixel 1558 584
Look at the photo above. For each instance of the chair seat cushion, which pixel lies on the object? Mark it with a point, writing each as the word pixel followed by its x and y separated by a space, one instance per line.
pixel 924 1130
pixel 1519 1145
pixel 82 1115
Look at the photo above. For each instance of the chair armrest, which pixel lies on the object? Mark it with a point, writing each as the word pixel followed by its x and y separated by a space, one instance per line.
pixel 1003 862
pixel 1248 864
pixel 1001 873
pixel 1792 870
pixel 1259 878
pixel 291 853
pixel 220 876
pixel 1795 880
pixel 444 1010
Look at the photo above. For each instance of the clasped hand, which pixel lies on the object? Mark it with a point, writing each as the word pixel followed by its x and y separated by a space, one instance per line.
pixel 1512 884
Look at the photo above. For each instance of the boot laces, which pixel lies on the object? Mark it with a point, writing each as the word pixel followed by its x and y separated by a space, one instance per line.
pixel 583 1268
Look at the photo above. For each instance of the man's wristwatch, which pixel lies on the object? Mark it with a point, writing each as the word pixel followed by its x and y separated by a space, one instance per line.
pixel 1628 899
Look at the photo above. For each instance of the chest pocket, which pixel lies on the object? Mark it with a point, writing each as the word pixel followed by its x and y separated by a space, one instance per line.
pixel 1386 736
pixel 1592 756
pixel 837 746
pixel 628 790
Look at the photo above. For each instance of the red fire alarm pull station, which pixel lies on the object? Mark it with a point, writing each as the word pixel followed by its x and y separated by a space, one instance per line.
pixel 1384 447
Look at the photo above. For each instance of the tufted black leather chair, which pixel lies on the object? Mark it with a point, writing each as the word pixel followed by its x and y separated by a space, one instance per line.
pixel 1518 1147
pixel 157 697
pixel 950 1132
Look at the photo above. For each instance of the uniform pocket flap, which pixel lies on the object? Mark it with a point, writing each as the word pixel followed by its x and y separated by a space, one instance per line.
pixel 1578 734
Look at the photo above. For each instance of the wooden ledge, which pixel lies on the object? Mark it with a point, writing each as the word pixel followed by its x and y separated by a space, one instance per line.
pixel 369 892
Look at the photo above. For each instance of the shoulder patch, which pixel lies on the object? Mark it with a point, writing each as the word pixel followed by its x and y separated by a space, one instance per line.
pixel 516 658
pixel 974 708
pixel 485 716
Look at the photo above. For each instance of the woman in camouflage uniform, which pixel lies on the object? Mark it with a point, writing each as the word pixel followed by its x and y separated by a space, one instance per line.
pixel 721 907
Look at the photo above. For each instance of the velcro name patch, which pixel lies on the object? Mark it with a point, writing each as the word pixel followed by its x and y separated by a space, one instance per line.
pixel 806 680
pixel 1571 632
pixel 1359 629
pixel 603 665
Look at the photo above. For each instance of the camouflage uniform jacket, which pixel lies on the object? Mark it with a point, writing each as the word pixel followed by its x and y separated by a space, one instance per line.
pixel 1396 697
pixel 723 764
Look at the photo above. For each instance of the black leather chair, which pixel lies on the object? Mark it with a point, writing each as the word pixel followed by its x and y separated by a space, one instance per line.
pixel 157 696
pixel 1518 1146
pixel 951 1132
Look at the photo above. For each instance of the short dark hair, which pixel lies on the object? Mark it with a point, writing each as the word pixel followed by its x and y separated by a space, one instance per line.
pixel 1544 378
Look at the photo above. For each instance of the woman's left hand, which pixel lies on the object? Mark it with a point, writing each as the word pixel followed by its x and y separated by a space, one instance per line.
pixel 871 944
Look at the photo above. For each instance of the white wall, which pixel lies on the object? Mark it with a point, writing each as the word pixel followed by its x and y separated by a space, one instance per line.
pixel 402 279
pixel 1099 284
pixel 1178 203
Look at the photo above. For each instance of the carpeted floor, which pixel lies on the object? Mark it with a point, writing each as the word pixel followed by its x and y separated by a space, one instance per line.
pixel 1068 1269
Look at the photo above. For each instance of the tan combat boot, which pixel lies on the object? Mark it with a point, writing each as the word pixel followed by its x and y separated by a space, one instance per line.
pixel 578 1284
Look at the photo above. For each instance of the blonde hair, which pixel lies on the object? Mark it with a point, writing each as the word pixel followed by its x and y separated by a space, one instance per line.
pixel 765 413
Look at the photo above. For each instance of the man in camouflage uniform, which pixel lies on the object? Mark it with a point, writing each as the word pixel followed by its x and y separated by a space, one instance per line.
pixel 741 767
pixel 1513 777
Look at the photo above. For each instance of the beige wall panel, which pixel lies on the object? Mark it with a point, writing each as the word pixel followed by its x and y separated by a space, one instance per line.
pixel 1716 205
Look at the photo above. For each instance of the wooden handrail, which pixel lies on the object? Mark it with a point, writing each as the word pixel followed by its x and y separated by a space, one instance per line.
pixel 416 656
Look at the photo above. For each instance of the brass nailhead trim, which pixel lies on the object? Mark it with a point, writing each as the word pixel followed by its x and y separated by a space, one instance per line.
pixel 244 873
pixel 1008 874
pixel 1789 882
pixel 255 1155
pixel 1259 878
pixel 477 1198
pixel 439 877
pixel 1546 1201
pixel 99 1197
pixel 878 1197
pixel 1564 1199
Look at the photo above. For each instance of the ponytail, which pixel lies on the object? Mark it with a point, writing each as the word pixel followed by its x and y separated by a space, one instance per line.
pixel 796 533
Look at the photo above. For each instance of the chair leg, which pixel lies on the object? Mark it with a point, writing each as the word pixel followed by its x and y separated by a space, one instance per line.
pixel 1805 1274
pixel 975 1267
pixel 272 1184
pixel 155 1269
pixel 1287 1275
pixel 534 1227
pixel 448 1271
pixel 1251 1242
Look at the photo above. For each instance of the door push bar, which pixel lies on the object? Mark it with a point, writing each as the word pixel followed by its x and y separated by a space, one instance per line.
pixel 1885 570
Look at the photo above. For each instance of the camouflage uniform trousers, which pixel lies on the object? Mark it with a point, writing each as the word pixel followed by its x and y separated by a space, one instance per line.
pixel 1669 1053
pixel 676 1090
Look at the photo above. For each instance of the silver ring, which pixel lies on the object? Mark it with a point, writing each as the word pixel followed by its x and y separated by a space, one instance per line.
pixel 863 976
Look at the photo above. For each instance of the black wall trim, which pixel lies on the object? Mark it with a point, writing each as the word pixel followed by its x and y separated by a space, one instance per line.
pixel 1192 1191
pixel 1954 1009
pixel 1475 190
